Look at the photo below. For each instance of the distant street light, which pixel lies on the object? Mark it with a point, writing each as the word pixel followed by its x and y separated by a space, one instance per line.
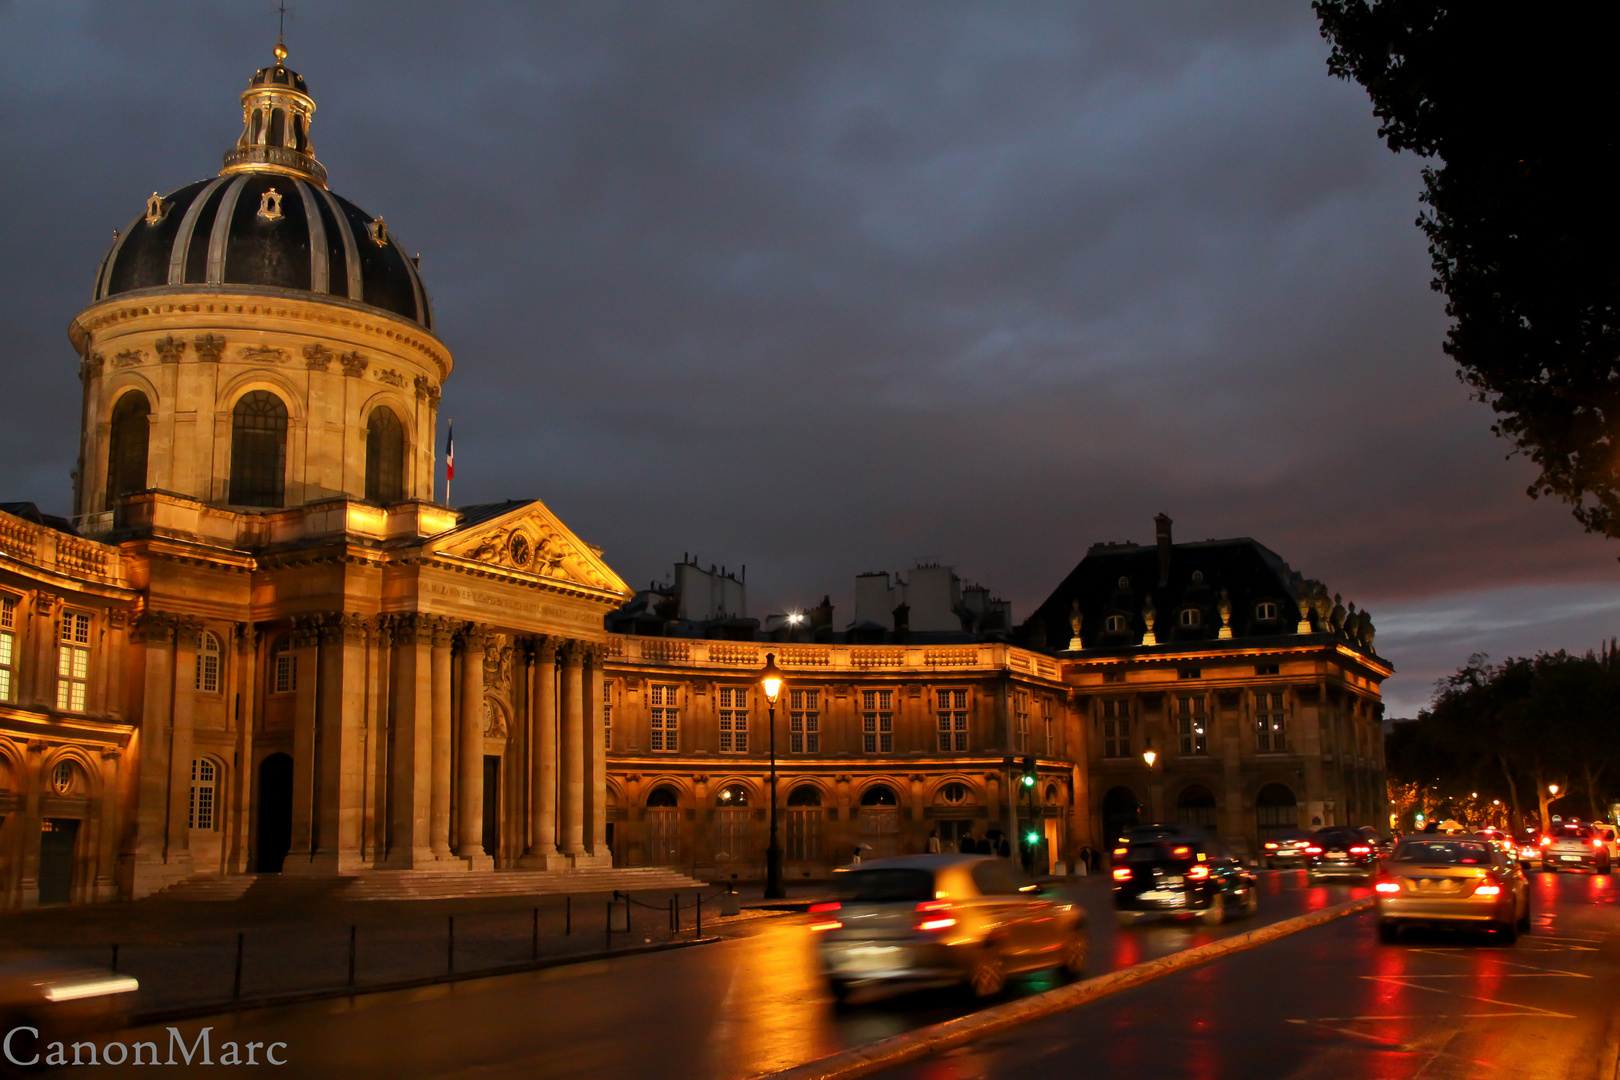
pixel 770 681
pixel 1150 755
pixel 1553 788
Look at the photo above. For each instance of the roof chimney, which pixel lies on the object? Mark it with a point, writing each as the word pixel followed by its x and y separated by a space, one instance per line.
pixel 1161 528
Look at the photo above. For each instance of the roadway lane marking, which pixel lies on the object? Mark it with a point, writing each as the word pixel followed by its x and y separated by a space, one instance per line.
pixel 1504 963
pixel 1407 983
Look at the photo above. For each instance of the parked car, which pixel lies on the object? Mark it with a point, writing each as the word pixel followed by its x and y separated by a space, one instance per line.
pixel 1451 880
pixel 1340 853
pixel 1576 845
pixel 1286 849
pixel 1178 875
pixel 935 920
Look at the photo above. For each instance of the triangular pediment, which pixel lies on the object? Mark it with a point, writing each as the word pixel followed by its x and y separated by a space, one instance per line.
pixel 527 540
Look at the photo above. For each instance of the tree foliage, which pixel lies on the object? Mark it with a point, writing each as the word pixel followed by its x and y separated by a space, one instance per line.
pixel 1518 104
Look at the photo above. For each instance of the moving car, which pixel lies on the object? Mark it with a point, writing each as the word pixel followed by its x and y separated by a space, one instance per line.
pixel 1165 872
pixel 938 920
pixel 1451 879
pixel 60 1001
pixel 1287 849
pixel 1575 845
pixel 1381 845
pixel 1340 852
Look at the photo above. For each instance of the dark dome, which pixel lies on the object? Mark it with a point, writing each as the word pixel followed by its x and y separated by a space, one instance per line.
pixel 265 229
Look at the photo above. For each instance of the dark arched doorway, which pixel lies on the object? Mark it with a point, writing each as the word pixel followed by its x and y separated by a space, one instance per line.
pixel 661 827
pixel 1195 807
pixel 1275 811
pixel 880 822
pixel 1119 812
pixel 275 812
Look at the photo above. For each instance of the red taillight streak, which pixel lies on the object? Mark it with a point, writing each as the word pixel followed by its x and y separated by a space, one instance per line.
pixel 1270 845
pixel 1597 841
pixel 1122 873
pixel 934 905
pixel 1546 840
pixel 1361 851
pixel 1181 852
pixel 1487 890
pixel 1313 850
pixel 936 924
pixel 1197 873
pixel 834 924
pixel 1388 886
pixel 816 909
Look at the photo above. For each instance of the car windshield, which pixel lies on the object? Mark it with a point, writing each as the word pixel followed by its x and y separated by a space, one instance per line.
pixel 1448 852
pixel 881 886
pixel 1167 852
pixel 1338 838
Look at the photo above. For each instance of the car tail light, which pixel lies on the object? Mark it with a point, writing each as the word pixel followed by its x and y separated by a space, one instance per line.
pixel 1487 890
pixel 1197 873
pixel 1597 842
pixel 1546 840
pixel 1122 873
pixel 817 909
pixel 830 924
pixel 1313 850
pixel 1181 852
pixel 1271 845
pixel 938 915
pixel 1119 853
pixel 1388 886
pixel 1361 850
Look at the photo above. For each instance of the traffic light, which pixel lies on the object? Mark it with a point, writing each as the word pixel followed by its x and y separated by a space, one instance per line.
pixel 1029 772
pixel 1032 838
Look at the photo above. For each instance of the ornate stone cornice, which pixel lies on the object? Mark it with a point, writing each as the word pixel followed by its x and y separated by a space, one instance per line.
pixel 306 630
pixel 188 631
pixel 153 628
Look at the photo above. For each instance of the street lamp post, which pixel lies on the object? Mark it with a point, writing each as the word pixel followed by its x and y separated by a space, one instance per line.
pixel 770 681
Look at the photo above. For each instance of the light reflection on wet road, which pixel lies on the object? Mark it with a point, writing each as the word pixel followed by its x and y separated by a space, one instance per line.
pixel 717 1012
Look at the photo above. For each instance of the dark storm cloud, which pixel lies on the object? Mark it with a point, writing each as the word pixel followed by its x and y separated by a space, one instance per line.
pixel 822 288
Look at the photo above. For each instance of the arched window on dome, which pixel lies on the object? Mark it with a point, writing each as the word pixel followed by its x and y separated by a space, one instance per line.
pixel 126 446
pixel 259 450
pixel 385 457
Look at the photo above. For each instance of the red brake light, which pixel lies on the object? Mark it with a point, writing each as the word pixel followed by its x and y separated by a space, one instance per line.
pixel 1119 852
pixel 1198 872
pixel 934 905
pixel 1388 886
pixel 1122 873
pixel 1181 852
pixel 830 924
pixel 1546 839
pixel 1313 850
pixel 1487 890
pixel 937 908
pixel 816 909
pixel 1597 841
pixel 1361 850
pixel 1271 843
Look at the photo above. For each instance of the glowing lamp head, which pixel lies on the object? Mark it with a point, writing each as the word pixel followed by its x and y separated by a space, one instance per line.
pixel 770 680
pixel 1553 788
pixel 1150 756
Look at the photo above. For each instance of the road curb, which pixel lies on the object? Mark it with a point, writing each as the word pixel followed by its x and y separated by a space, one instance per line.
pixel 887 1053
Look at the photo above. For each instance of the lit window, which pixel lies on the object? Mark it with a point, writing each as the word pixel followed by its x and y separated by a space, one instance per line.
pixel 62 778
pixel 953 720
pixel 286 667
pixel 203 783
pixel 208 664
pixel 1265 612
pixel 1270 735
pixel 8 644
pixel 1192 725
pixel 804 721
pixel 258 450
pixel 877 721
pixel 1116 729
pixel 1191 617
pixel 385 457
pixel 733 720
pixel 954 793
pixel 1115 624
pixel 607 715
pixel 73 661
pixel 1021 716
pixel 665 721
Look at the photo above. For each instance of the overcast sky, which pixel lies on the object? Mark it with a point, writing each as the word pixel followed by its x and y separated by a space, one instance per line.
pixel 824 288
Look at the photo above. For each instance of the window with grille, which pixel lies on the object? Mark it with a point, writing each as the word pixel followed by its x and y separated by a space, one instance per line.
pixel 208 664
pixel 285 668
pixel 73 661
pixel 203 785
pixel 1021 718
pixel 1191 617
pixel 607 715
pixel 1265 612
pixel 1192 725
pixel 665 719
pixel 62 778
pixel 804 721
pixel 8 644
pixel 1270 734
pixel 953 720
pixel 1049 719
pixel 1116 721
pixel 128 434
pixel 1115 624
pixel 877 721
pixel 733 720
pixel 385 457
pixel 258 450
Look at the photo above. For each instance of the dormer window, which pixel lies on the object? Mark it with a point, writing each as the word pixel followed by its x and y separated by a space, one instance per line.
pixel 1114 624
pixel 1265 611
pixel 1198 577
pixel 1191 618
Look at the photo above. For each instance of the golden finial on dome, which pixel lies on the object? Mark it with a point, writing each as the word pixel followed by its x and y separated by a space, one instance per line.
pixel 281 53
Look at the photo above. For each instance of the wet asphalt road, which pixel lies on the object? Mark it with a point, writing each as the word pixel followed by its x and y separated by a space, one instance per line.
pixel 1331 1003
pixel 747 1005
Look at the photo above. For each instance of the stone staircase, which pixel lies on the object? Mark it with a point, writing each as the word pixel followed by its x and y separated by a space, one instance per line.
pixel 425 884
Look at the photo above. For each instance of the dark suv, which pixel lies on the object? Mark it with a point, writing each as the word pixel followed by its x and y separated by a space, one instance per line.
pixel 1340 853
pixel 1162 870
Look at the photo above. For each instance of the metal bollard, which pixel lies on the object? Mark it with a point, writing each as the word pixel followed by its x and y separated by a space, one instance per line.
pixel 351 953
pixel 534 952
pixel 627 913
pixel 452 959
pixel 674 917
pixel 236 982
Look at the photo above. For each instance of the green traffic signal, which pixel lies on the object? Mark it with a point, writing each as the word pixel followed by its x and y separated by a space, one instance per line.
pixel 1029 781
pixel 1032 838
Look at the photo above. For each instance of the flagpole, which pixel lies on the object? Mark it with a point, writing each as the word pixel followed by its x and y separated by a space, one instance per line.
pixel 449 459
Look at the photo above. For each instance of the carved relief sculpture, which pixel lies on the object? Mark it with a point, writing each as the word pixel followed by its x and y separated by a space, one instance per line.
pixel 262 354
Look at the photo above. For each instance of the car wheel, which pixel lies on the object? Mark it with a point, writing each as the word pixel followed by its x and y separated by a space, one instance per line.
pixel 1388 931
pixel 1076 954
pixel 1215 914
pixel 988 977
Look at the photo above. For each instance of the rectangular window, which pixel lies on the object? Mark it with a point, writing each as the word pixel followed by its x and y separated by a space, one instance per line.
pixel 666 717
pixel 1270 735
pixel 73 661
pixel 1192 725
pixel 286 675
pixel 733 720
pixel 1266 669
pixel 607 715
pixel 804 721
pixel 1190 673
pixel 202 794
pixel 1050 722
pixel 1021 716
pixel 1116 729
pixel 877 721
pixel 8 644
pixel 953 720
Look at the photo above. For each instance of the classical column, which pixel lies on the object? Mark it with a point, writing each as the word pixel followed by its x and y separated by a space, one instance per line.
pixel 596 788
pixel 188 636
pixel 245 785
pixel 105 886
pixel 574 750
pixel 411 702
pixel 306 640
pixel 442 638
pixel 374 754
pixel 470 783
pixel 543 765
pixel 342 691
pixel 155 634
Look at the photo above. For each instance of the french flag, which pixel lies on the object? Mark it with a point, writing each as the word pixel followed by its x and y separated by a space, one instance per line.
pixel 450 452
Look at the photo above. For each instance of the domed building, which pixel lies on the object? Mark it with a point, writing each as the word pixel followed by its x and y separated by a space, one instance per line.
pixel 259 644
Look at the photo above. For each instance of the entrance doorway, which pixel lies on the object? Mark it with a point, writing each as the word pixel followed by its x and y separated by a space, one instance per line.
pixel 1196 808
pixel 56 839
pixel 661 836
pixel 492 804
pixel 275 812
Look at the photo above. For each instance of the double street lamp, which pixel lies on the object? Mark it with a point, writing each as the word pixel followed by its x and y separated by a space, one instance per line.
pixel 770 682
